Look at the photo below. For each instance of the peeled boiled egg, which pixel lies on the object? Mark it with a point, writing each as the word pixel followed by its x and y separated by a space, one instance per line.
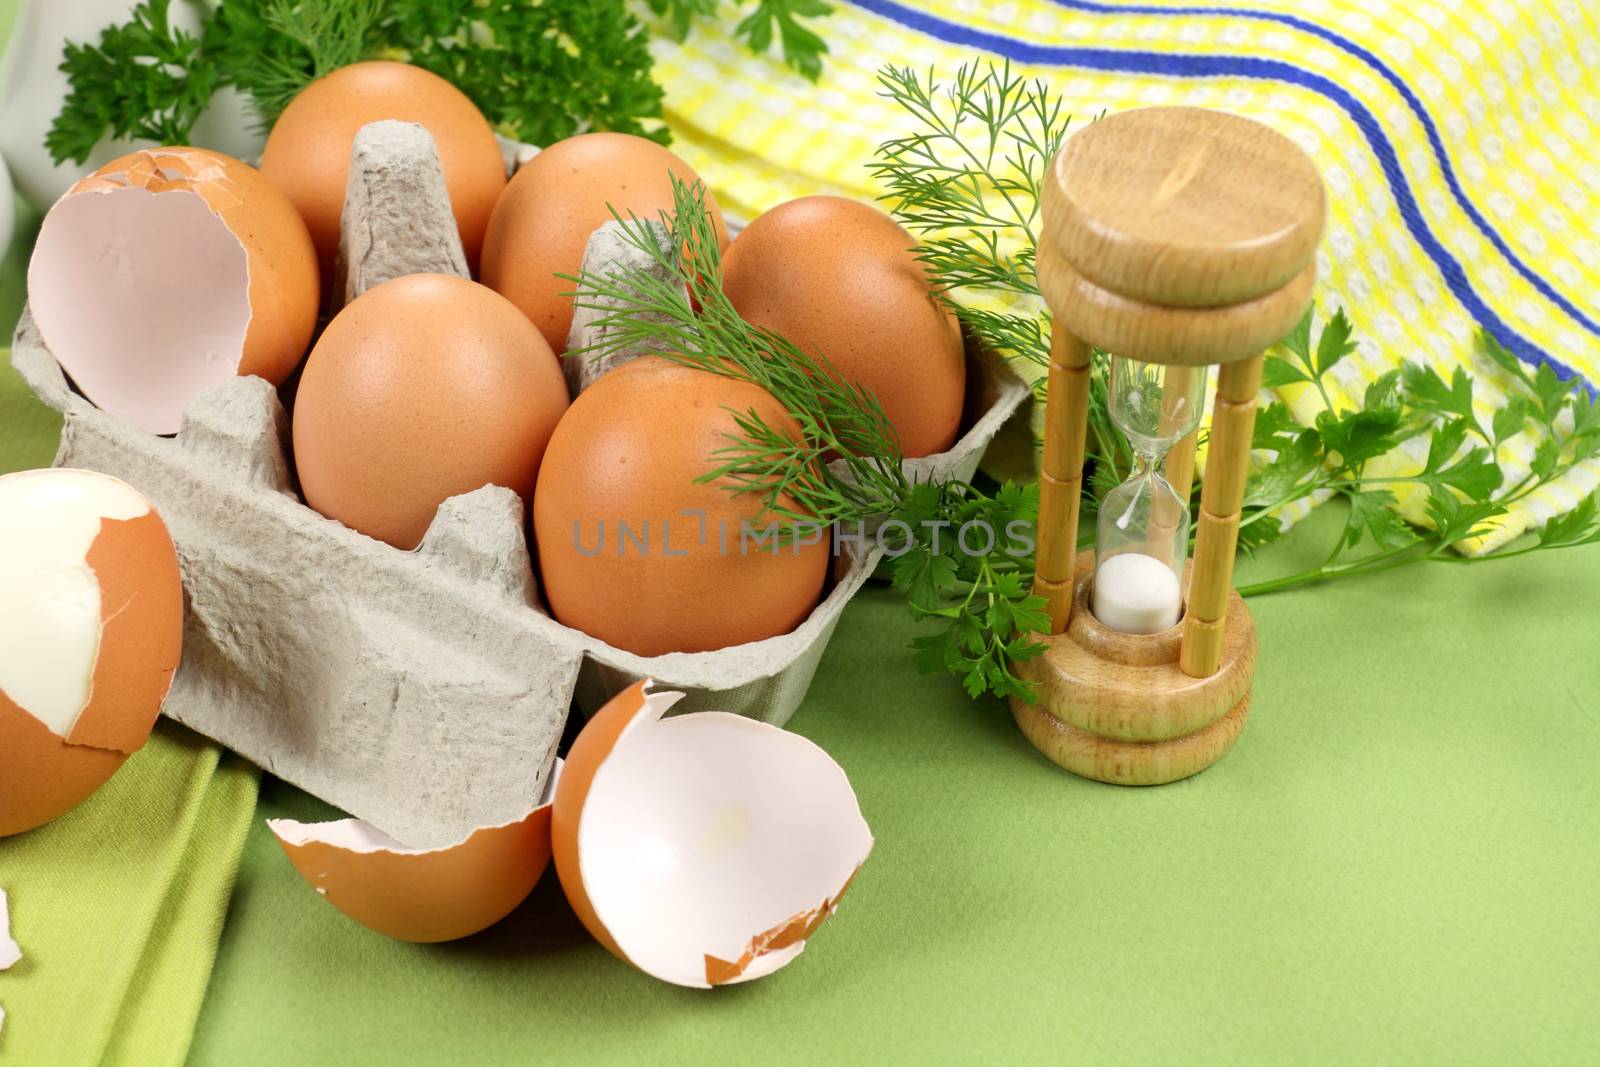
pixel 308 152
pixel 414 894
pixel 91 624
pixel 838 278
pixel 635 551
pixel 167 271
pixel 703 849
pixel 423 387
pixel 556 200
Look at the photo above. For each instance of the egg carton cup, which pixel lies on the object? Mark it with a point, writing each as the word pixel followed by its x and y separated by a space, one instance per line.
pixel 424 691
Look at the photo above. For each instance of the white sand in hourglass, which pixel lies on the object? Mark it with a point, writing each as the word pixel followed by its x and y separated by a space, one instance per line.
pixel 1136 594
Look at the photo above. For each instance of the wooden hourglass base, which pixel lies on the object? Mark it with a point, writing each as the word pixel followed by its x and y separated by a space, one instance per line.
pixel 1116 707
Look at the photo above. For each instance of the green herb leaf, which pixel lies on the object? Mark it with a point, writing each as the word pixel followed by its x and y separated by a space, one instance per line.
pixel 1551 391
pixel 1509 420
pixel 1383 394
pixel 1488 346
pixel 1358 436
pixel 1335 343
pixel 145 79
pixel 1276 428
pixel 1580 526
pixel 1372 512
pixel 1298 342
pixel 1277 372
pixel 803 49
pixel 1545 459
pixel 1426 391
pixel 1455 519
pixel 1282 479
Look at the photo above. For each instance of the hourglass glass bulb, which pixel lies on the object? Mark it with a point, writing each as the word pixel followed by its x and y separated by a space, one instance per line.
pixel 1143 531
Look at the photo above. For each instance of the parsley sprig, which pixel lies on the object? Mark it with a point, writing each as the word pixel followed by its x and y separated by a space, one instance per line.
pixel 779 20
pixel 145 79
pixel 539 72
pixel 1463 474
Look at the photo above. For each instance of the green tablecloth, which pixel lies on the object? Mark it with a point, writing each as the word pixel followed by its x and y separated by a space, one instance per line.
pixel 1399 861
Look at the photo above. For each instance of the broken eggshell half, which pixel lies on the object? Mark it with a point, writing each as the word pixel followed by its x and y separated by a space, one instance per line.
pixel 703 849
pixel 91 626
pixel 422 894
pixel 167 271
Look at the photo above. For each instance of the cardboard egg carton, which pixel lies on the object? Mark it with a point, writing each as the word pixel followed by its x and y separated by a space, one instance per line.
pixel 424 691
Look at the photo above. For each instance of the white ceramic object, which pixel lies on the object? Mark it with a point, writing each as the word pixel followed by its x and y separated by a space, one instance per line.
pixel 8 208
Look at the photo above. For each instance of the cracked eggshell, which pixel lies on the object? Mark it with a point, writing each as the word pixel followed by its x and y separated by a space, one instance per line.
pixel 91 625
pixel 167 271
pixel 425 895
pixel 704 849
pixel 308 152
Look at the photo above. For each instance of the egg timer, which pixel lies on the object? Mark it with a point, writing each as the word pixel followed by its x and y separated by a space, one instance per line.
pixel 1173 238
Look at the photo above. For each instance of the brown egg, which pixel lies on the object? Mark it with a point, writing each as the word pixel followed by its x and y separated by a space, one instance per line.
pixel 421 388
pixel 557 200
pixel 197 269
pixel 678 578
pixel 837 277
pixel 90 633
pixel 308 152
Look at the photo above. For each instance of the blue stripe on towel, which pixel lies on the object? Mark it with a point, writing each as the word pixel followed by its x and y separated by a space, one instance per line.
pixel 1412 101
pixel 1209 66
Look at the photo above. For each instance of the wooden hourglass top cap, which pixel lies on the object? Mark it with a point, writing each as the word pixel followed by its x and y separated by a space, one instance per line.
pixel 1182 207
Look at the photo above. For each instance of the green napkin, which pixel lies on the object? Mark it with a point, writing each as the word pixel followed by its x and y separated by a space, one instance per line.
pixel 118 905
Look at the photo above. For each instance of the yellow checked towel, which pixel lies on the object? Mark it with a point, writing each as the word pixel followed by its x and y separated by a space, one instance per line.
pixel 1459 139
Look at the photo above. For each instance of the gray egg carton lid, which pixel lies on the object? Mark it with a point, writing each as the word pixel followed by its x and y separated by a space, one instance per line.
pixel 422 691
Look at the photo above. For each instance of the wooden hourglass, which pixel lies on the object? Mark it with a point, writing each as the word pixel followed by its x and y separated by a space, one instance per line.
pixel 1175 238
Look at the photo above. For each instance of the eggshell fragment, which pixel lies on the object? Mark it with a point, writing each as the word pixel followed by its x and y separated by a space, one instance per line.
pixel 167 271
pixel 425 895
pixel 90 633
pixel 703 849
pixel 10 951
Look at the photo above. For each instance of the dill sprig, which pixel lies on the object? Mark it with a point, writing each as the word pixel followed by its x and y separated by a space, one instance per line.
pixel 968 183
pixel 681 311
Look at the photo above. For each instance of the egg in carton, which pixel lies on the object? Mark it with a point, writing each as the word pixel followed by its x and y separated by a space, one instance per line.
pixel 422 691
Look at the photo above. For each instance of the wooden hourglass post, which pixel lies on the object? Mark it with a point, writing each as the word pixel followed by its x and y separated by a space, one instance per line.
pixel 1066 421
pixel 1179 467
pixel 1182 237
pixel 1227 466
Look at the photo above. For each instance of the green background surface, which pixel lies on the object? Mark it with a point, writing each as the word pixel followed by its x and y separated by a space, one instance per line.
pixel 1400 861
